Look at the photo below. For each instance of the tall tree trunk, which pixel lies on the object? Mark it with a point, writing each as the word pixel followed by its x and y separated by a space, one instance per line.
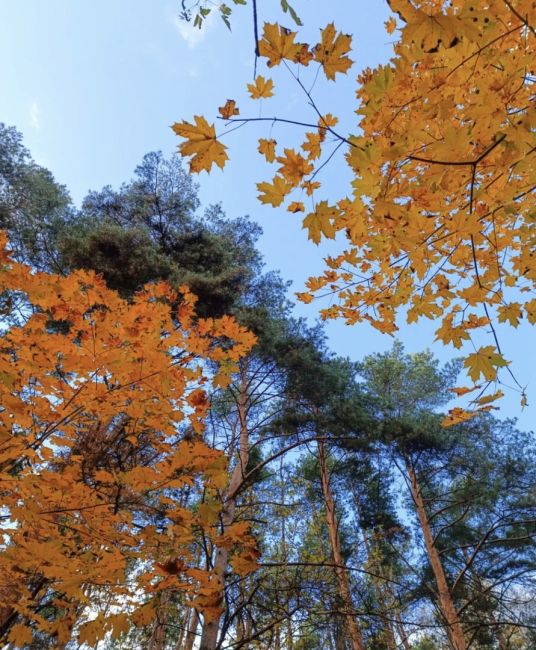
pixel 158 636
pixel 381 592
pixel 354 633
pixel 209 636
pixel 401 631
pixel 284 558
pixel 289 635
pixel 192 631
pixel 446 604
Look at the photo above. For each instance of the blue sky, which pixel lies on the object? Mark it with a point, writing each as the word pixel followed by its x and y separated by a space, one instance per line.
pixel 95 85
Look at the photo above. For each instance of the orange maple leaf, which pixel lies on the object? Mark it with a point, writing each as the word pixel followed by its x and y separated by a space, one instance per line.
pixel 228 109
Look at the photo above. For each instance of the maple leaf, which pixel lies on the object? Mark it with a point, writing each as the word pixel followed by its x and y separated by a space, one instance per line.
pixel 20 635
pixel 328 120
pixel 262 88
pixel 485 361
pixel 441 182
pixel 92 631
pixel 319 222
pixel 201 144
pixel 228 109
pixel 274 193
pixel 296 206
pixel 305 297
pixel 390 25
pixel 332 50
pixel 488 399
pixel 277 44
pixel 511 313
pixel 463 390
pixel 293 166
pixel 457 415
pixel 310 187
pixel 267 148
pixel 312 145
pixel 120 624
pixel 304 56
pixel 245 562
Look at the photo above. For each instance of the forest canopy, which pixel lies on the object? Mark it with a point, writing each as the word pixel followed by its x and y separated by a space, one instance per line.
pixel 185 464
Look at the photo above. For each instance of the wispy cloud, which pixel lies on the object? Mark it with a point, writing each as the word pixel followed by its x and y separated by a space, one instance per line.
pixel 192 36
pixel 35 116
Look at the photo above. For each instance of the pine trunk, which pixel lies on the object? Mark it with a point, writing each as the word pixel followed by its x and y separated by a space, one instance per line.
pixel 354 633
pixel 446 604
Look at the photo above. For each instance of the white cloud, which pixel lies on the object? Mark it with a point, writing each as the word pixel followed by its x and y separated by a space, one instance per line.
pixel 193 36
pixel 35 116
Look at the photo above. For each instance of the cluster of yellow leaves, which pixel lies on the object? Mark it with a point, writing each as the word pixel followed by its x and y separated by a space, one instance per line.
pixel 439 218
pixel 96 396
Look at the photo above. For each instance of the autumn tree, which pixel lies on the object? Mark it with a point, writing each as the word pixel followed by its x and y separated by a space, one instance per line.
pixel 438 220
pixel 94 422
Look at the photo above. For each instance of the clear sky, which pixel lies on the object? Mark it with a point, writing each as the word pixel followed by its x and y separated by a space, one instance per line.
pixel 95 85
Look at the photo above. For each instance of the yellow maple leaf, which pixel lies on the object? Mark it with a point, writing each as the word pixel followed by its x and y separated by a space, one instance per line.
pixel 278 43
pixel 296 206
pixel 328 120
pixel 511 313
pixel 267 148
pixel 293 166
pixel 275 192
pixel 262 88
pixel 487 399
pixel 332 50
pixel 485 362
pixel 310 187
pixel 201 144
pixel 312 145
pixel 228 109
pixel 319 222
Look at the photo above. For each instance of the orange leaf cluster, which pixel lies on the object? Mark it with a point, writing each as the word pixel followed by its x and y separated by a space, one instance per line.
pixel 98 395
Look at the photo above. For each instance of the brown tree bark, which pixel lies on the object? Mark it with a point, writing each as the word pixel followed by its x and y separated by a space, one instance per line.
pixel 445 601
pixel 381 597
pixel 209 636
pixel 354 633
pixel 158 636
pixel 191 635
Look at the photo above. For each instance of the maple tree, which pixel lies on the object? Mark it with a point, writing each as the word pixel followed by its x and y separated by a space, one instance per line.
pixel 439 217
pixel 103 407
